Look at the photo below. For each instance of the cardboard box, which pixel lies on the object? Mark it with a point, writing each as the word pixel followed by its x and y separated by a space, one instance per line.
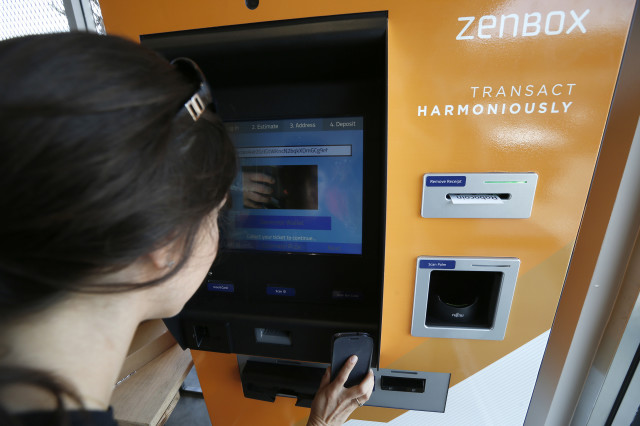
pixel 148 397
pixel 150 340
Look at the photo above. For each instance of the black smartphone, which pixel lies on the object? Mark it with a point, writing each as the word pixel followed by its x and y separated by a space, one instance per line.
pixel 347 344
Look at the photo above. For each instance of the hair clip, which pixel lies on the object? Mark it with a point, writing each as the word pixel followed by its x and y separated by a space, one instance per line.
pixel 198 103
pixel 195 106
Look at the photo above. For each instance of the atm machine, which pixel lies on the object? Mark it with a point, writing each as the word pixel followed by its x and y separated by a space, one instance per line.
pixel 302 243
pixel 415 170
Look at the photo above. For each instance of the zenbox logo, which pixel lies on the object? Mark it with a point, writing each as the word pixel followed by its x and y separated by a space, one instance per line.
pixel 532 25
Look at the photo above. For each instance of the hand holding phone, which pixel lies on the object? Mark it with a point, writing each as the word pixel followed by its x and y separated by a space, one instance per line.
pixel 346 345
pixel 349 386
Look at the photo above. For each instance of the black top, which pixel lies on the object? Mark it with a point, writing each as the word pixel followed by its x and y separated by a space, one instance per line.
pixel 74 418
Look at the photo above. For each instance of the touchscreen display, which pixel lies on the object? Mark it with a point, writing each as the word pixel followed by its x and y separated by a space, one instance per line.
pixel 299 186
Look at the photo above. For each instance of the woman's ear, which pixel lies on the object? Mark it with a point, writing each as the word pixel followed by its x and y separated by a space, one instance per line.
pixel 164 257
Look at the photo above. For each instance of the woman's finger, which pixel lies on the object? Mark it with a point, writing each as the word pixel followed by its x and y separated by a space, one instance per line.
pixel 363 390
pixel 326 378
pixel 343 375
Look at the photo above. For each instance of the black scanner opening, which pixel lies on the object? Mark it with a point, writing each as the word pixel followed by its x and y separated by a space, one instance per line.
pixel 463 298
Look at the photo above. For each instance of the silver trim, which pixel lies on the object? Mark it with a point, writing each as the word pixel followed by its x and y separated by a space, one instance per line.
pixel 597 310
pixel 611 363
pixel 79 15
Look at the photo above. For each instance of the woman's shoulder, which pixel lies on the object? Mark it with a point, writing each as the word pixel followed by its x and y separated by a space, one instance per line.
pixel 68 418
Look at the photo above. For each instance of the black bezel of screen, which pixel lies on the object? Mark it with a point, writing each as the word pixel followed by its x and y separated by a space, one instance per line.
pixel 354 271
pixel 315 67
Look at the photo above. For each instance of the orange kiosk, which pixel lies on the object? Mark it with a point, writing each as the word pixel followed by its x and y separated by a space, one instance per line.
pixel 445 152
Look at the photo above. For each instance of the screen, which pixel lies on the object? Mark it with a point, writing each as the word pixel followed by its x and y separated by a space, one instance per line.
pixel 299 186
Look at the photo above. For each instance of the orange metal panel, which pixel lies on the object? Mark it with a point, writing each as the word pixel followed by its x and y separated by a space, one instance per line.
pixel 220 381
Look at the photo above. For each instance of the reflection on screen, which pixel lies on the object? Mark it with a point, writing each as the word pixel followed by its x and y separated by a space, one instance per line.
pixel 280 187
pixel 299 188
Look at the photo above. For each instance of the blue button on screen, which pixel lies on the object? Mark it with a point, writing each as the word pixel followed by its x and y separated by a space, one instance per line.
pixel 221 287
pixel 317 223
pixel 281 291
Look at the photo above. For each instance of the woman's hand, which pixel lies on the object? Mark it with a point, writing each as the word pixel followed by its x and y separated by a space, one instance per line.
pixel 334 403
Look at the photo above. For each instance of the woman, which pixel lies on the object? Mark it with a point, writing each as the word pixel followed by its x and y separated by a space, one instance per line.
pixel 112 174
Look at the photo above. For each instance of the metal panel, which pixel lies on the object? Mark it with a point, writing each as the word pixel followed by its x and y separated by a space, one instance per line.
pixel 508 267
pixel 432 398
pixel 478 195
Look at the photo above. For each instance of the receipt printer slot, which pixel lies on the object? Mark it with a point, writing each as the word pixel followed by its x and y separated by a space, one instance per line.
pixel 458 198
pixel 478 195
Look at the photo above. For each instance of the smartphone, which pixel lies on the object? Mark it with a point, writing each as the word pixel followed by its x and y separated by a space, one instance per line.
pixel 347 344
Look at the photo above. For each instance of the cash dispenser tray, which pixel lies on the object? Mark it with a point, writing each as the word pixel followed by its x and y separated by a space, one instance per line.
pixel 265 379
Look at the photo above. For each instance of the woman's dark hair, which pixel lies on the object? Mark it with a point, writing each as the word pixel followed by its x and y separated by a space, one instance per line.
pixel 95 168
